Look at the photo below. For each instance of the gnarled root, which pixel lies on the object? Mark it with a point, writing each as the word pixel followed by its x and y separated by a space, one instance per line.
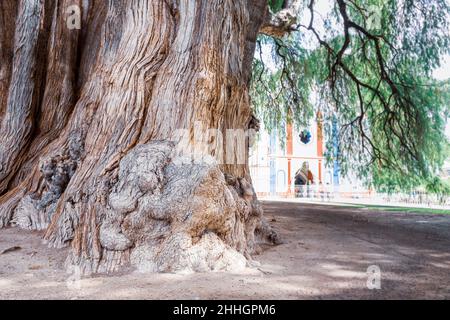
pixel 158 213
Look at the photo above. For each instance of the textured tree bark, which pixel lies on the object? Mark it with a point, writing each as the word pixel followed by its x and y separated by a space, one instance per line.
pixel 114 137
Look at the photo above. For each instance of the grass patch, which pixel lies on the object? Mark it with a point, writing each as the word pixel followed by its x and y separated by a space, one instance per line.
pixel 401 209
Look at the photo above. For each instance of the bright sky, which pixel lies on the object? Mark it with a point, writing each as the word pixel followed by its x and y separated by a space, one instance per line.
pixel 443 73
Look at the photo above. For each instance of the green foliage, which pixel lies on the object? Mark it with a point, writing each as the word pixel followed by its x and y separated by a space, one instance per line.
pixel 276 5
pixel 369 65
pixel 282 95
pixel 438 186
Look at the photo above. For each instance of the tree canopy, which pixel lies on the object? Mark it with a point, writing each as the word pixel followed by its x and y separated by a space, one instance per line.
pixel 367 64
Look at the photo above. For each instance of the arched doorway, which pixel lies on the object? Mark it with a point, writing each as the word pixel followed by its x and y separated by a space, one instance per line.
pixel 303 179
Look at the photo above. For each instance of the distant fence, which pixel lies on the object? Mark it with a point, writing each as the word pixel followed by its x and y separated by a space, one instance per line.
pixel 327 193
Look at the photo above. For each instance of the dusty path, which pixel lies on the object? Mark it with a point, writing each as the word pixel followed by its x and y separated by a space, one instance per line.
pixel 326 253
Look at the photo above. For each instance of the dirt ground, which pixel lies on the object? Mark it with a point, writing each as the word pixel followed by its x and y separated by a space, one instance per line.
pixel 326 254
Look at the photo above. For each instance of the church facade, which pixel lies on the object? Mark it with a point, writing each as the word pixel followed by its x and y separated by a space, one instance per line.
pixel 297 164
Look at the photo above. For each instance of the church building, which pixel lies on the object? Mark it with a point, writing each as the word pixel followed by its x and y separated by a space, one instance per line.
pixel 281 169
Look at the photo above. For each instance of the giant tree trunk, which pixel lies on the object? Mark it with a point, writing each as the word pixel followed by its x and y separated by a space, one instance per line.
pixel 106 140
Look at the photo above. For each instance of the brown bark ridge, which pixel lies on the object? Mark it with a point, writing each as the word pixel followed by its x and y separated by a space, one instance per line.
pixel 91 150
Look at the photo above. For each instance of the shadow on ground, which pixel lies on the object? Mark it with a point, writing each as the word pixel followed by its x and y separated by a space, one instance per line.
pixel 325 255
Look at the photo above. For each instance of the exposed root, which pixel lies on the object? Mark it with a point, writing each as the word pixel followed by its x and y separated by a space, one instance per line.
pixel 167 214
pixel 158 213
pixel 35 211
pixel 9 203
